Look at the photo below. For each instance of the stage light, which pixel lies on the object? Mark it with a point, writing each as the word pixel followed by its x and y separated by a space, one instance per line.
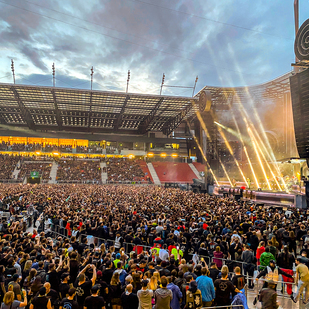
pixel 56 153
pixel 174 155
pixel 150 154
pixel 163 155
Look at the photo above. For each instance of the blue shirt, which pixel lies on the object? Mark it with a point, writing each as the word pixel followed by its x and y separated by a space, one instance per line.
pixel 206 286
pixel 176 295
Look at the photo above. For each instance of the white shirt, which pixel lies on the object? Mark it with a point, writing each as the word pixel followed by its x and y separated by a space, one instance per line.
pixel 163 255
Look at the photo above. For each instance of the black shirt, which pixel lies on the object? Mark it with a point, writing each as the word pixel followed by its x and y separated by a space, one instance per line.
pixel 40 302
pixel 69 304
pixel 129 301
pixel 83 291
pixel 94 302
pixel 63 289
pixel 224 288
pixel 52 278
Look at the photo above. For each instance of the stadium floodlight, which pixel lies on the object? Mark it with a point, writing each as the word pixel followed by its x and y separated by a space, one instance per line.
pixel 54 74
pixel 163 78
pixel 13 70
pixel 196 79
pixel 128 80
pixel 91 76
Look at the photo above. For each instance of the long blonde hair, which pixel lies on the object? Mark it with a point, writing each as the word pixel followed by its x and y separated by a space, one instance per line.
pixel 153 283
pixel 156 274
pixel 28 265
pixel 8 298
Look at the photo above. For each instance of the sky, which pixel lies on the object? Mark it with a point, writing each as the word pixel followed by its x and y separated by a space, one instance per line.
pixel 223 42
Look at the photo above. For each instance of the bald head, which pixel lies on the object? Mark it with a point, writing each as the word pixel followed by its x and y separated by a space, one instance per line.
pixel 47 287
pixel 129 288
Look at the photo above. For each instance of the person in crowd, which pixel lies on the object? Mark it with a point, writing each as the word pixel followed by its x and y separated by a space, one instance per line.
pixel 224 288
pixel 206 286
pixel 129 300
pixel 193 296
pixel 10 303
pixel 301 277
pixel 69 301
pixel 41 301
pixel 268 296
pixel 163 296
pixel 94 301
pixel 177 295
pixel 145 296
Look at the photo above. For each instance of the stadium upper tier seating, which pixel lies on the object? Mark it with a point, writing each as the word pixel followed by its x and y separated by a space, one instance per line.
pixel 174 172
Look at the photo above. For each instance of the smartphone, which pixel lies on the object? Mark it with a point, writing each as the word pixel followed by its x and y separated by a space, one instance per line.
pixel 177 247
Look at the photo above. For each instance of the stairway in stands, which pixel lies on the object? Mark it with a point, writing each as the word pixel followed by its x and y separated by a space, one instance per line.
pixel 16 170
pixel 195 171
pixel 53 173
pixel 104 176
pixel 153 174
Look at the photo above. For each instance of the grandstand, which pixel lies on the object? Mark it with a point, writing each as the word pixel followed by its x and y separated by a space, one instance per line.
pixel 150 135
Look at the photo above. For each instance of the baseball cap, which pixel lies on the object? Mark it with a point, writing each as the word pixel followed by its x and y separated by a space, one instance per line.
pixel 118 256
pixel 95 288
pixel 15 277
pixel 64 275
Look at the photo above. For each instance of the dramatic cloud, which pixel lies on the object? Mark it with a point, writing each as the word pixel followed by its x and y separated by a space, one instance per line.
pixel 180 38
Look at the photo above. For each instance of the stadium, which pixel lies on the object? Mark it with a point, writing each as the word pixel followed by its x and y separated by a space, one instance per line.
pixel 113 199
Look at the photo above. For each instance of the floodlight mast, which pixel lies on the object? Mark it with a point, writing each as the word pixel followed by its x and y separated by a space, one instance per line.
pixel 196 79
pixel 91 77
pixel 54 74
pixel 128 80
pixel 13 70
pixel 163 78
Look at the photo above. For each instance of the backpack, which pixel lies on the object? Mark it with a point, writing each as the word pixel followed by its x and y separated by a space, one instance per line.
pixel 41 274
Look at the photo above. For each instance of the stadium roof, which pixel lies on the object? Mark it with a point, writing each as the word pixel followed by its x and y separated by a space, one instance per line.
pixel 61 109
pixel 272 90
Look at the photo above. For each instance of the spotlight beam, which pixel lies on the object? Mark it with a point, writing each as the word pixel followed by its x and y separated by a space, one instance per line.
pixel 259 158
pixel 264 158
pixel 201 150
pixel 232 154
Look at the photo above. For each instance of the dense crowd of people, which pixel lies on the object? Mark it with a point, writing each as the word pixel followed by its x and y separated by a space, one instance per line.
pixel 71 169
pixel 42 168
pixel 124 169
pixel 144 247
pixel 7 166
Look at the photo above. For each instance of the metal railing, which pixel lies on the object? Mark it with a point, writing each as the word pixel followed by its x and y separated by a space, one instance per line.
pixel 227 306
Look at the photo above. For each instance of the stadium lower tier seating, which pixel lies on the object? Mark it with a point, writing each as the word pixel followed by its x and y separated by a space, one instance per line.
pixel 174 172
pixel 30 166
pixel 7 166
pixel 79 170
pixel 122 169
pixel 199 166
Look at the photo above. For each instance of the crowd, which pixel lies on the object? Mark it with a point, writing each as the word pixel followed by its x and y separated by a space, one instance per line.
pixel 7 165
pixel 71 169
pixel 31 166
pixel 143 247
pixel 124 169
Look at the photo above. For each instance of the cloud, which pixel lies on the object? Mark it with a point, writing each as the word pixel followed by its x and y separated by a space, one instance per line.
pixel 115 36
